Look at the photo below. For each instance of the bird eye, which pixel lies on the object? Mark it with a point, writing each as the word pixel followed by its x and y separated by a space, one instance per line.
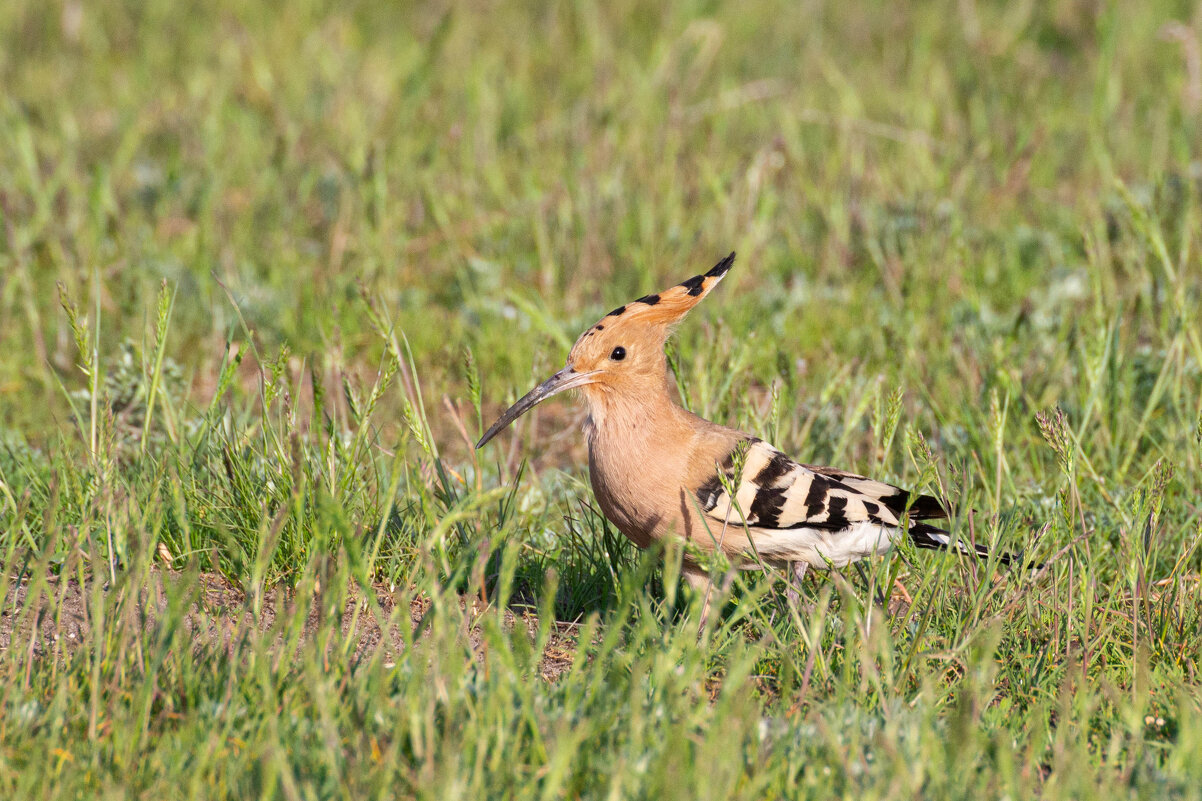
pixel 619 354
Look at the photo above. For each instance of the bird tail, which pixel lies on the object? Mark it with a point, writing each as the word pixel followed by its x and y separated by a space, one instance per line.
pixel 925 535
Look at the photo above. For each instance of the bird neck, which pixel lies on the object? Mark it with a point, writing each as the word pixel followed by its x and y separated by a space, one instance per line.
pixel 641 408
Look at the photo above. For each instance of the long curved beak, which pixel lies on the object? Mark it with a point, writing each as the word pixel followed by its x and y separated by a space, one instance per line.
pixel 567 378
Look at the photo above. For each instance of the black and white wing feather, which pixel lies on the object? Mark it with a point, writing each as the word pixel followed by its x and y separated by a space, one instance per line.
pixel 797 511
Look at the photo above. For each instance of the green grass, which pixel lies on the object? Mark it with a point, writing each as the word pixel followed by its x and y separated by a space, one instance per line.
pixel 266 272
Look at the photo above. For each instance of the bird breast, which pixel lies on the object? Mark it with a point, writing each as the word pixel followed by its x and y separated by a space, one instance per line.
pixel 626 501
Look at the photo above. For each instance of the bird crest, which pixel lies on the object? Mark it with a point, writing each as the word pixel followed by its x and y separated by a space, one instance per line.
pixel 670 306
pixel 646 322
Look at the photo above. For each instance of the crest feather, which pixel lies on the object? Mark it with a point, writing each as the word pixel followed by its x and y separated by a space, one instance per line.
pixel 669 306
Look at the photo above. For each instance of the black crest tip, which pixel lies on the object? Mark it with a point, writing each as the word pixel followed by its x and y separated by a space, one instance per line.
pixel 723 267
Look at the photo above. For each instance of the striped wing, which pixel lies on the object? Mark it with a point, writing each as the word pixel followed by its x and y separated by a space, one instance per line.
pixel 774 492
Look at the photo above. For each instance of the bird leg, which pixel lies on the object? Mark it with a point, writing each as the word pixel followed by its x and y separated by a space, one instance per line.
pixel 880 599
pixel 702 583
pixel 793 586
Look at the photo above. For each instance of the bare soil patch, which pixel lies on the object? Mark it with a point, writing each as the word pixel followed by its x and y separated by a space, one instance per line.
pixel 223 612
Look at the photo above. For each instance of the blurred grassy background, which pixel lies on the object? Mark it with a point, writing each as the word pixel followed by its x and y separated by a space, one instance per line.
pixel 302 251
pixel 498 176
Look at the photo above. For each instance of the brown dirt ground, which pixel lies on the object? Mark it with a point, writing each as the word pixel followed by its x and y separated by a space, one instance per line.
pixel 224 611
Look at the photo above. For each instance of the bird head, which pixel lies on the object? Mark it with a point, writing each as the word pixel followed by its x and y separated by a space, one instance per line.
pixel 623 352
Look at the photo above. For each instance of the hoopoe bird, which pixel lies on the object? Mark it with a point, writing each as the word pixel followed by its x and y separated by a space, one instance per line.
pixel 660 471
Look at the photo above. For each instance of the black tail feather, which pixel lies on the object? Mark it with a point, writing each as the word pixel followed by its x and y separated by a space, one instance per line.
pixel 925 535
